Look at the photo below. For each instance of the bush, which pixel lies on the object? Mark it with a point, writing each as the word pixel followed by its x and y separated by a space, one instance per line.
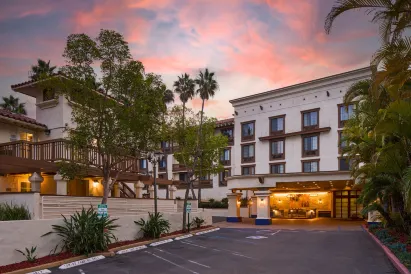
pixel 397 247
pixel 198 221
pixel 405 258
pixel 244 202
pixel 29 254
pixel 154 226
pixel 214 204
pixel 374 227
pixel 85 232
pixel 10 212
pixel 384 236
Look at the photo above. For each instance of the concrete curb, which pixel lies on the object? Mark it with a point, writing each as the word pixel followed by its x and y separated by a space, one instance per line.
pixel 394 260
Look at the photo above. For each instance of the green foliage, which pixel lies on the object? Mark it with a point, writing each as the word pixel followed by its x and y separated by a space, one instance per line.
pixel 41 70
pixel 154 226
pixel 85 232
pixel 397 247
pixel 244 202
pixel 12 104
pixel 29 254
pixel 405 258
pixel 215 204
pixel 10 212
pixel 198 221
pixel 384 236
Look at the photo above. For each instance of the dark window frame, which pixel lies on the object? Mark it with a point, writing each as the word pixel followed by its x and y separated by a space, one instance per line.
pixel 228 162
pixel 220 180
pixel 305 128
pixel 310 161
pixel 247 166
pixel 309 153
pixel 277 156
pixel 339 106
pixel 339 164
pixel 247 138
pixel 277 164
pixel 277 132
pixel 248 159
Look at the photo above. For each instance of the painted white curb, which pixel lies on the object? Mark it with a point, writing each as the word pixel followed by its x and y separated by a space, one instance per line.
pixel 183 237
pixel 208 231
pixel 81 262
pixel 43 271
pixel 131 249
pixel 161 242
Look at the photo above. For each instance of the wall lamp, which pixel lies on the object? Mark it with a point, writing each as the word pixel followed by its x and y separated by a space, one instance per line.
pixel 261 107
pixel 236 113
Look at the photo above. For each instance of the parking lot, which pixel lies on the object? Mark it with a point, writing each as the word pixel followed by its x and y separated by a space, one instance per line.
pixel 252 250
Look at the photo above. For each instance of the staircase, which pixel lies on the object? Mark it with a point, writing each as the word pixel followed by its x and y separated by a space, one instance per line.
pixel 126 191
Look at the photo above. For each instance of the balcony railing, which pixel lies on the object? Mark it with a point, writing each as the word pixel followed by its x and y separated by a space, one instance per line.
pixel 178 167
pixel 60 150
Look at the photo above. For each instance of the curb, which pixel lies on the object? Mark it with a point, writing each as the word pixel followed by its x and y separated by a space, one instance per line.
pixel 394 260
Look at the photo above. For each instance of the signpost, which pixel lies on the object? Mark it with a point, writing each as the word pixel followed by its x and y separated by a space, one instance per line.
pixel 188 211
pixel 102 210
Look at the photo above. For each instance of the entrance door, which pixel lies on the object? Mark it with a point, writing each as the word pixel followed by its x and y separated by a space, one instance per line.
pixel 345 204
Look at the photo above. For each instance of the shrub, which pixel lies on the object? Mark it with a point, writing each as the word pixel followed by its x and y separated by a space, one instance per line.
pixel 244 202
pixel 405 258
pixel 397 247
pixel 384 236
pixel 198 221
pixel 154 226
pixel 214 204
pixel 374 227
pixel 224 201
pixel 85 232
pixel 10 212
pixel 29 254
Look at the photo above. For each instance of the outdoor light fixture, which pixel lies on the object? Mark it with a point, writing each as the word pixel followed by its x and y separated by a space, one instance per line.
pixel 236 113
pixel 95 184
pixel 261 107
pixel 262 199
pixel 328 93
pixel 320 201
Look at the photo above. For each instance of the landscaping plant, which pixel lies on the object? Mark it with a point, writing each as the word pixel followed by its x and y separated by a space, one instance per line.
pixel 85 232
pixel 198 221
pixel 154 226
pixel 29 254
pixel 10 212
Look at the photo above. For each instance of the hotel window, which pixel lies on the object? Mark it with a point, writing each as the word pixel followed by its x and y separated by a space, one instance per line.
pixel 248 131
pixel 342 144
pixel 225 157
pixel 143 163
pixel 49 94
pixel 247 152
pixel 345 112
pixel 162 165
pixel 248 170
pixel 277 125
pixel 222 181
pixel 310 166
pixel 277 149
pixel 344 164
pixel 311 146
pixel 25 187
pixel 182 176
pixel 310 119
pixel 229 132
pixel 277 168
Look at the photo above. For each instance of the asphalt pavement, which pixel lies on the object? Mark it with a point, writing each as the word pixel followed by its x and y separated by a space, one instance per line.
pixel 252 250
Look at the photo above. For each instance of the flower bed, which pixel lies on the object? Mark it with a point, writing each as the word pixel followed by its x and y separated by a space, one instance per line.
pixel 398 242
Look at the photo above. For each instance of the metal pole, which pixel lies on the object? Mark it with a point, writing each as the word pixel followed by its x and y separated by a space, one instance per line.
pixel 188 222
pixel 155 188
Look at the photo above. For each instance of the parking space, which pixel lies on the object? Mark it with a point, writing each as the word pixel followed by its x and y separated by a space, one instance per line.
pixel 252 250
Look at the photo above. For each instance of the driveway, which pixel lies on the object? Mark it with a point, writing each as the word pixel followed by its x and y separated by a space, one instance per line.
pixel 253 250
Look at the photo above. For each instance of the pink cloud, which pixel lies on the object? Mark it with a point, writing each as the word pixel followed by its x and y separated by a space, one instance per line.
pixel 36 11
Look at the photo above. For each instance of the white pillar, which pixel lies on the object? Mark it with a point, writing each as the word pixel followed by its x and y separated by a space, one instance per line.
pixel 151 191
pixel 234 207
pixel 263 208
pixel 253 206
pixel 374 217
pixel 35 181
pixel 61 184
pixel 172 189
pixel 138 187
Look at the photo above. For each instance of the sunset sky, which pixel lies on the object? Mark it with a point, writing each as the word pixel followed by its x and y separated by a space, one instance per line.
pixel 251 45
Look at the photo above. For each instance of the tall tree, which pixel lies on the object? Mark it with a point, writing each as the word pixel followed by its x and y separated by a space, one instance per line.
pixel 12 104
pixel 117 124
pixel 207 87
pixel 41 69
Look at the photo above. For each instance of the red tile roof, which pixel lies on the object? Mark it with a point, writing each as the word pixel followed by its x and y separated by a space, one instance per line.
pixel 225 122
pixel 31 81
pixel 20 117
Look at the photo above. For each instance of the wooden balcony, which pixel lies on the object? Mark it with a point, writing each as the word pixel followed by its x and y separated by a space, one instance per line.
pixel 204 184
pixel 178 167
pixel 60 150
pixel 226 162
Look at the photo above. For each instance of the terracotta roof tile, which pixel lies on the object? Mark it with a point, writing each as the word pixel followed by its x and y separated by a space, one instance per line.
pixel 225 122
pixel 20 117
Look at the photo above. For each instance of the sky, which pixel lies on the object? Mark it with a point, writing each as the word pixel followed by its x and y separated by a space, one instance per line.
pixel 251 45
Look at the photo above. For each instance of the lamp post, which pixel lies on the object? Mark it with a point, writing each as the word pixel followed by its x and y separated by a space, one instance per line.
pixel 154 158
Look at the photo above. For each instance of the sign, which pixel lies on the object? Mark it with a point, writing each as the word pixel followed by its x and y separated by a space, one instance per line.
pixel 188 208
pixel 102 210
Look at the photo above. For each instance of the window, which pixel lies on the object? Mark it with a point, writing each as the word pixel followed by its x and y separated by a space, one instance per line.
pixel 342 144
pixel 277 168
pixel 222 177
pixel 225 157
pixel 165 144
pixel 277 149
pixel 311 146
pixel 247 131
pixel 227 132
pixel 310 166
pixel 25 187
pixel 345 112
pixel 310 119
pixel 248 170
pixel 182 176
pixel 277 125
pixel 344 164
pixel 48 94
pixel 247 153
pixel 143 163
pixel 162 164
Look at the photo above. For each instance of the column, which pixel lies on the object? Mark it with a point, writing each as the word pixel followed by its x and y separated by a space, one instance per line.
pixel 35 181
pixel 116 189
pixel 234 207
pixel 263 207
pixel 138 187
pixel 151 191
pixel 253 206
pixel 61 184
pixel 172 190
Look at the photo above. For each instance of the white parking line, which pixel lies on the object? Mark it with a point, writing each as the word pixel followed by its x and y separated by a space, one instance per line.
pixel 170 262
pixel 275 232
pixel 226 250
pixel 194 262
pixel 189 243
pixel 241 255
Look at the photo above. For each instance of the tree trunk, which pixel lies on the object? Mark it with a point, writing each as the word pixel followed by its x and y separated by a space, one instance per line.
pixel 106 187
pixel 201 153
pixel 185 205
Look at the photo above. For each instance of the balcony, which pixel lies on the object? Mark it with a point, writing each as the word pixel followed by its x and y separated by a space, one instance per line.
pixel 226 162
pixel 231 141
pixel 162 169
pixel 277 156
pixel 60 150
pixel 310 153
pixel 248 160
pixel 204 184
pixel 178 167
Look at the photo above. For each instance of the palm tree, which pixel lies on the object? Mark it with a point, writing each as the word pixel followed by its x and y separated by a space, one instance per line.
pixel 207 87
pixel 185 87
pixel 392 16
pixel 168 96
pixel 12 104
pixel 42 69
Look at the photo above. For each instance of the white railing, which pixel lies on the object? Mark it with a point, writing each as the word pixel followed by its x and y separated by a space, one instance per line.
pixel 54 206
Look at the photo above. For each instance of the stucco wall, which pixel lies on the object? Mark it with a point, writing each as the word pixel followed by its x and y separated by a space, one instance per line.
pixel 29 199
pixel 21 234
